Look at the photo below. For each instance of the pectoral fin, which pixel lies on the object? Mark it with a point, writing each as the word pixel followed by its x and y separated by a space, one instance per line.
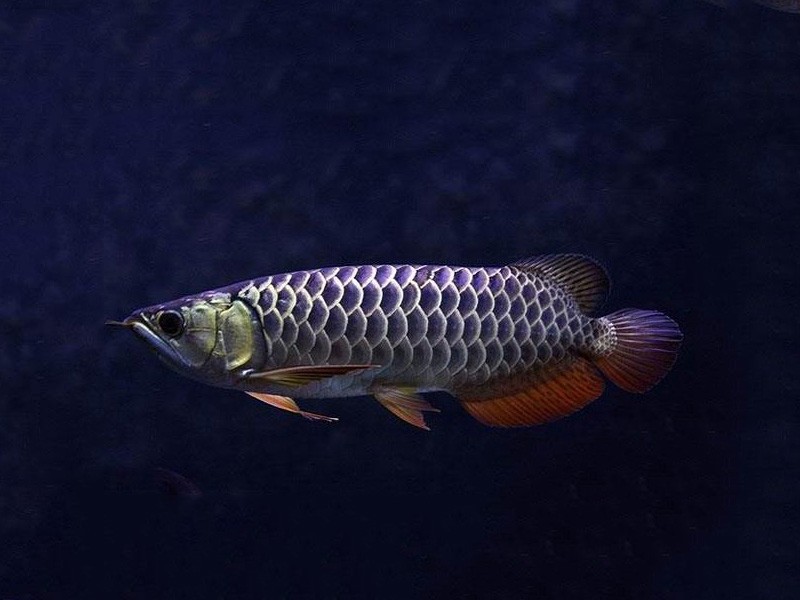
pixel 288 404
pixel 300 376
pixel 406 404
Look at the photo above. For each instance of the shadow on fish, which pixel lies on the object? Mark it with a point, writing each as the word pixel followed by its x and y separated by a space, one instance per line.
pixel 790 6
pixel 516 345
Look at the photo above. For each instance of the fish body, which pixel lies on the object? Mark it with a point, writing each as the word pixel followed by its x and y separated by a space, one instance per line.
pixel 516 344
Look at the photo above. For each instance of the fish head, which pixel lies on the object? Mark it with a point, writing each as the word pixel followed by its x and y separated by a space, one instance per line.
pixel 210 337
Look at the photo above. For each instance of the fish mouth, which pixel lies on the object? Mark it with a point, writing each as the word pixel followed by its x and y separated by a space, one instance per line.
pixel 141 326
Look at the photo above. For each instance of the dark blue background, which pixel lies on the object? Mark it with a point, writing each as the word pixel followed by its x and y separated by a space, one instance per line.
pixel 152 149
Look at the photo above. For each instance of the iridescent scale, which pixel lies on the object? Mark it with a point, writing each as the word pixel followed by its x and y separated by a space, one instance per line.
pixel 429 327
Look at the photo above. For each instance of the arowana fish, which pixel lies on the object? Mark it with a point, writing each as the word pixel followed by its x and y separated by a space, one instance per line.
pixel 516 345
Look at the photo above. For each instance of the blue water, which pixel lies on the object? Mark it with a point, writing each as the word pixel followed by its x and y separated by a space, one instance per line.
pixel 153 149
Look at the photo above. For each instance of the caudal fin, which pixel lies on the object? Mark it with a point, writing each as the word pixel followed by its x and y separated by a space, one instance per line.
pixel 638 348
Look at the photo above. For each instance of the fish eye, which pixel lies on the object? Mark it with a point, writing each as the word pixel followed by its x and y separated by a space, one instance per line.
pixel 170 322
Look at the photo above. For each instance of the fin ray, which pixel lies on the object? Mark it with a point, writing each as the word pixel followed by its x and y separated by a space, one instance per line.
pixel 645 349
pixel 583 277
pixel 405 404
pixel 300 376
pixel 287 404
pixel 544 397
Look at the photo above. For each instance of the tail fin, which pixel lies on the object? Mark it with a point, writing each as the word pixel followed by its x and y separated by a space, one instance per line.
pixel 640 348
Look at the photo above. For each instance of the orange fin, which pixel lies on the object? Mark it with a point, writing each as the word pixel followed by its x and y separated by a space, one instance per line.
pixel 545 397
pixel 288 404
pixel 582 277
pixel 646 347
pixel 405 404
pixel 300 376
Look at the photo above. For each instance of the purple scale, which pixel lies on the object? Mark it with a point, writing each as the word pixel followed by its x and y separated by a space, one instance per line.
pixel 332 292
pixel 286 298
pixel 501 305
pixel 305 339
pixel 449 300
pixel 527 352
pixel 290 328
pixel 384 274
pixel 372 297
pixel 273 325
pixel 382 353
pixel 543 353
pixel 468 301
pixel 318 315
pixel 278 281
pixel 472 328
pixel 455 327
pixel 417 325
pixel 405 273
pixel 485 303
pixel 321 350
pixel 336 323
pixel 496 283
pixel 356 326
pixel 533 313
pixel 302 306
pixel 364 274
pixel 558 304
pixel 437 325
pixel 315 283
pixel 340 352
pixel 476 357
pixel 377 325
pixel 537 332
pixel 411 295
pixel 391 297
pixel 422 355
pixel 352 294
pixel 529 291
pixel 489 326
pixel 430 297
pixel 396 327
pixel 517 309
pixel 547 316
pixel 522 331
pixel 440 356
pixel 544 298
pixel 494 354
pixel 462 278
pixel 298 279
pixel 403 353
pixel 361 354
pixel 268 299
pixel 346 274
pixel 458 357
pixel 511 354
pixel 422 275
pixel 561 320
pixel 512 287
pixel 479 280
pixel 505 330
pixel 443 276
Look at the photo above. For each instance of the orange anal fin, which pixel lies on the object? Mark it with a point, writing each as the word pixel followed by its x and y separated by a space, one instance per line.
pixel 405 404
pixel 290 405
pixel 546 397
pixel 300 376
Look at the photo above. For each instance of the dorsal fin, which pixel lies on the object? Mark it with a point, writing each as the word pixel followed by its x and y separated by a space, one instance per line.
pixel 582 277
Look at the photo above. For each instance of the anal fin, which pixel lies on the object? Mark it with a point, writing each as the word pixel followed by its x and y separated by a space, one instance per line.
pixel 547 396
pixel 285 403
pixel 405 404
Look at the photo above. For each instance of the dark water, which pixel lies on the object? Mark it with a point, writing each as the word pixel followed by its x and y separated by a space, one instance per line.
pixel 152 149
